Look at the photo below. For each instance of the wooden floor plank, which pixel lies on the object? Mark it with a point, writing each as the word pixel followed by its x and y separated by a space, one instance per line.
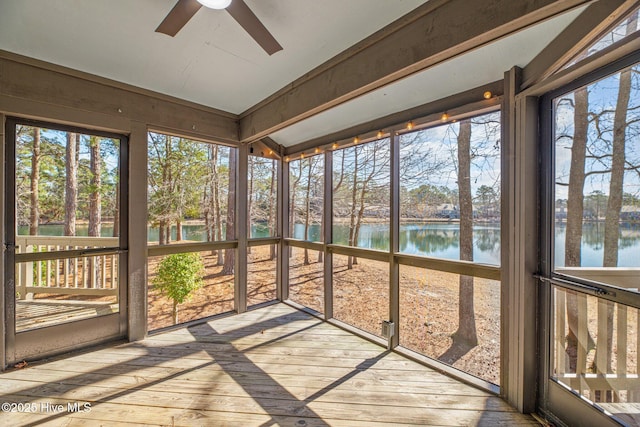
pixel 272 366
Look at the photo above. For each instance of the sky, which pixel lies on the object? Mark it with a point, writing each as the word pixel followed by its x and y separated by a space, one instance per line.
pixel 602 97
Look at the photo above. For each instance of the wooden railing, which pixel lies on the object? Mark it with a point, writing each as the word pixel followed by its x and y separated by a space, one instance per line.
pixel 82 275
pixel 599 367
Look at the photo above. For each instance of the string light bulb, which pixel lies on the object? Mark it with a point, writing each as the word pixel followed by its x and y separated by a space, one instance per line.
pixel 317 150
pixel 379 134
pixel 334 145
pixel 410 125
pixel 302 155
pixel 444 117
pixel 487 95
pixel 286 159
pixel 356 140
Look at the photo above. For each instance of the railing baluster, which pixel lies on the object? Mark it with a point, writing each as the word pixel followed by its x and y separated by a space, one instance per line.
pixel 57 271
pixel 621 344
pixel 103 269
pixel 113 270
pixel 48 277
pixel 83 278
pixel 635 396
pixel 70 273
pixel 38 279
pixel 65 269
pixel 115 278
pixel 583 341
pixel 92 272
pixel 561 367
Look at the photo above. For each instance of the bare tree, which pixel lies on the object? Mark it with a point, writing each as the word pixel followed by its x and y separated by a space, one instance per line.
pixel 294 167
pixel 311 164
pixel 34 214
pixel 229 254
pixel 271 221
pixel 575 206
pixel 466 333
pixel 250 184
pixel 71 185
pixel 95 198
pixel 614 203
pixel 214 189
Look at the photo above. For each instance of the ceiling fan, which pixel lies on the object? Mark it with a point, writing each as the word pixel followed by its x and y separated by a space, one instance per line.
pixel 184 10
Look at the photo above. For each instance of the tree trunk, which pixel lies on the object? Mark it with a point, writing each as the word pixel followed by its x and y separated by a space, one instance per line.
pixel 229 259
pixel 71 185
pixel 321 253
pixel 292 207
pixel 95 201
pixel 162 238
pixel 178 230
pixel 575 207
pixel 271 222
pixel 34 214
pixel 250 201
pixel 217 217
pixel 116 212
pixel 307 213
pixel 466 334
pixel 352 215
pixel 175 312
pixel 614 204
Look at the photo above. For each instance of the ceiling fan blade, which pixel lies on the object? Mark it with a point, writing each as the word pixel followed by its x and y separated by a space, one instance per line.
pixel 181 13
pixel 239 10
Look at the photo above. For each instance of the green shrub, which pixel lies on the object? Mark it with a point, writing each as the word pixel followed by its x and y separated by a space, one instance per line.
pixel 178 276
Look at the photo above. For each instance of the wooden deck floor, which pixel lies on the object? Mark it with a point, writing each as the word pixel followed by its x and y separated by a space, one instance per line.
pixel 41 313
pixel 271 366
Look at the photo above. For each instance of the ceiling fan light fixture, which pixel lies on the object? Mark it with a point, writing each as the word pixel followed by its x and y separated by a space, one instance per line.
pixel 215 4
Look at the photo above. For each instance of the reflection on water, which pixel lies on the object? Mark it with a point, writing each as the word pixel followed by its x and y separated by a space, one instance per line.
pixel 592 250
pixel 437 239
pixel 440 240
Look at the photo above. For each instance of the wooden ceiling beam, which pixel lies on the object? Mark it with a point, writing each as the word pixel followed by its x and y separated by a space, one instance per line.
pixel 433 33
pixel 592 24
pixel 37 89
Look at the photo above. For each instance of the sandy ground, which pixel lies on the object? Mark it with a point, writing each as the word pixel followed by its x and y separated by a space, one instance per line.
pixel 428 303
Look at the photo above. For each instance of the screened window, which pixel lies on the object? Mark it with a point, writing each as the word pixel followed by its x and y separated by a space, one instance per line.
pixel 306 198
pixel 67 203
pixel 594 224
pixel 263 192
pixel 597 179
pixel 190 189
pixel 191 199
pixel 361 185
pixel 450 190
pixel 627 27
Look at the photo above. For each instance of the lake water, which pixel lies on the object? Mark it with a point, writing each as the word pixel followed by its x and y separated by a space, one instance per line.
pixel 440 239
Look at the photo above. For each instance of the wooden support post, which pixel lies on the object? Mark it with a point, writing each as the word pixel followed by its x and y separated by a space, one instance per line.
pixel 240 294
pixel 519 247
pixel 328 234
pixel 3 281
pixel 137 237
pixel 394 240
pixel 283 229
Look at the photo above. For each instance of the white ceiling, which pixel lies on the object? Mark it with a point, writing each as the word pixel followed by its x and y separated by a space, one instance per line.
pixel 211 61
pixel 484 65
